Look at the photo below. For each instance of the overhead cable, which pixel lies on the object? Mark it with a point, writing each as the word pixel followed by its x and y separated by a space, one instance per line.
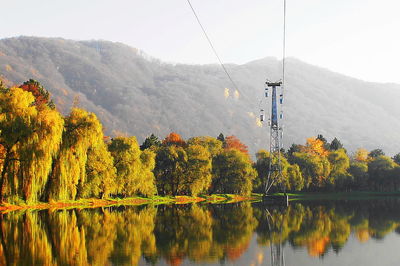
pixel 213 48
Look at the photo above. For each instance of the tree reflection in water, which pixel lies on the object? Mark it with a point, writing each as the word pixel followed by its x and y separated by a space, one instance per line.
pixel 198 233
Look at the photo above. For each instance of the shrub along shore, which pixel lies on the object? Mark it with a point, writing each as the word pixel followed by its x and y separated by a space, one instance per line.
pixel 47 160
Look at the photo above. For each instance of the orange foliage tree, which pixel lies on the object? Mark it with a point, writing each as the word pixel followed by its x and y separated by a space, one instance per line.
pixel 174 139
pixel 42 96
pixel 233 143
pixel 316 147
pixel 361 155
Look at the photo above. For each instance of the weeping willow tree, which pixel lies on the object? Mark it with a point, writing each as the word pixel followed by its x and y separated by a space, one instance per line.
pixel 30 136
pixel 134 167
pixel 100 173
pixel 82 131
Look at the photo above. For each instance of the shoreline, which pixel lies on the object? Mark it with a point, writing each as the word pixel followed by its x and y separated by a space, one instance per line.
pixel 180 200
pixel 131 201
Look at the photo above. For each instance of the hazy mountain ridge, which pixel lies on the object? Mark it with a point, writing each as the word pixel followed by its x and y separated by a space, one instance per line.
pixel 135 93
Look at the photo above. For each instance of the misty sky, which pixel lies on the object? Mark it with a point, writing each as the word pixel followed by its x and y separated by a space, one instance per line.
pixel 359 38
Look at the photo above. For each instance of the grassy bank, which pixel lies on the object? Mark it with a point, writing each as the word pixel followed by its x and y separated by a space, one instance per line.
pixel 132 201
pixel 207 199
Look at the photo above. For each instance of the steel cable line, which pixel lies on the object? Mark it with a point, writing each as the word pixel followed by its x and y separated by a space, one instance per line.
pixel 284 44
pixel 213 48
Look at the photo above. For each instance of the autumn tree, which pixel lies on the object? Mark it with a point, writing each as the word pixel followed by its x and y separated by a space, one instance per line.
pixel 174 139
pixel 42 96
pixel 134 167
pixel 361 155
pixel 100 174
pixel 324 140
pixel 233 143
pixel 82 131
pixel 30 137
pixel 315 146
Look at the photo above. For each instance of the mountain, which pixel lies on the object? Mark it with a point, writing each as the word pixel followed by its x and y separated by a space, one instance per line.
pixel 136 94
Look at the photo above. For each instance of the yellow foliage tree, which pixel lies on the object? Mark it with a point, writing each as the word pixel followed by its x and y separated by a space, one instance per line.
pixel 30 136
pixel 82 131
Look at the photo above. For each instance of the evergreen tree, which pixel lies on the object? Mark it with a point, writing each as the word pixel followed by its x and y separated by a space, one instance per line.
pixel 396 158
pixel 335 145
pixel 151 141
pixel 221 137
pixel 376 153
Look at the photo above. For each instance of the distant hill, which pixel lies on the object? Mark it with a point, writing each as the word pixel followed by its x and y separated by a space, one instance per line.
pixel 134 93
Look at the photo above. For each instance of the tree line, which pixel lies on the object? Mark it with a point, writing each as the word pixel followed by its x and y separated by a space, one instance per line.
pixel 45 156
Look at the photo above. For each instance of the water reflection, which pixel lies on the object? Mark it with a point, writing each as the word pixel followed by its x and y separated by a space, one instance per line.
pixel 192 234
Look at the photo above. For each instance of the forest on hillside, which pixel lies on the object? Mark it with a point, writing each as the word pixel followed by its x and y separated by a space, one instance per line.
pixel 133 93
pixel 46 156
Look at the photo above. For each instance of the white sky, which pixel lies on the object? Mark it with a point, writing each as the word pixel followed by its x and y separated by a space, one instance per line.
pixel 359 38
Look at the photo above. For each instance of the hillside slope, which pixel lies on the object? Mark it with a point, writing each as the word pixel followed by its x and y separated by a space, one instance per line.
pixel 134 93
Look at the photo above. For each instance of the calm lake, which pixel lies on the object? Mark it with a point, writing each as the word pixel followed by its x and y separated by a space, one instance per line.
pixel 364 232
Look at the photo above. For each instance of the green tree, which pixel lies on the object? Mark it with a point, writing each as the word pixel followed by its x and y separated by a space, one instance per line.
pixel 221 137
pixel 291 178
pixel 396 158
pixel 213 145
pixel 134 167
pixel 379 170
pixel 324 141
pixel 262 167
pixel 198 171
pixel 170 167
pixel 359 171
pixel 151 141
pixel 335 145
pixel 295 178
pixel 315 169
pixel 183 170
pixel 232 173
pixel 294 148
pixel 376 153
pixel 340 163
